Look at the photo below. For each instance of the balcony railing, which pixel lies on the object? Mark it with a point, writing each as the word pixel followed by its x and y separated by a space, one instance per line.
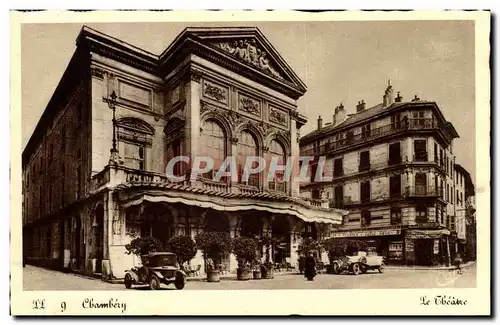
pixel 405 125
pixel 423 191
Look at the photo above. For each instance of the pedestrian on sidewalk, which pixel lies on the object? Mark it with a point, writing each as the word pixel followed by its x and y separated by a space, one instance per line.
pixel 458 263
pixel 310 267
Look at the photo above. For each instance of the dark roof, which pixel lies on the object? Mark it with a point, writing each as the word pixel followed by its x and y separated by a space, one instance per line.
pixel 361 116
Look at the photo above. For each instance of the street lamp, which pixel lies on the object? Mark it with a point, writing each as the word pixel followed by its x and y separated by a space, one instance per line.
pixel 114 151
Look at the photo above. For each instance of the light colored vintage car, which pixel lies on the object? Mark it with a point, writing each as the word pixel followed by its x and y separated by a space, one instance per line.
pixel 360 263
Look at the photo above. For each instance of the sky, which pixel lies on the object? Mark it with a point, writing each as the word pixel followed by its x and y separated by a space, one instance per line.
pixel 340 62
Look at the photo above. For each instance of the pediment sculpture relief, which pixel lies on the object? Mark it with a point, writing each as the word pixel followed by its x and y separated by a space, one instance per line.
pixel 247 50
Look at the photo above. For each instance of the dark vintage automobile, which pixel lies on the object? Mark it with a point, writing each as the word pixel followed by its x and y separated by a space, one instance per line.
pixel 157 268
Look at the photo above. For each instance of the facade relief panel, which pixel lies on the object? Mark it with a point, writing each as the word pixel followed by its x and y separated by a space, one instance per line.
pixel 249 105
pixel 277 116
pixel 215 92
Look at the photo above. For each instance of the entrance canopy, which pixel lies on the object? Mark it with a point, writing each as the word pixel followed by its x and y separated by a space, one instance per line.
pixel 234 202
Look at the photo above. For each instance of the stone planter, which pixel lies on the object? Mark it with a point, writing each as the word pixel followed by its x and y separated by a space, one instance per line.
pixel 257 275
pixel 213 276
pixel 267 273
pixel 243 274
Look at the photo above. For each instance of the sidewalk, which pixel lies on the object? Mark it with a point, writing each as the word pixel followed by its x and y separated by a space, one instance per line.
pixel 452 267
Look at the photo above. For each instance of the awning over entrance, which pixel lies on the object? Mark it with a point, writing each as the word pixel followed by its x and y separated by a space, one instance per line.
pixel 426 233
pixel 290 206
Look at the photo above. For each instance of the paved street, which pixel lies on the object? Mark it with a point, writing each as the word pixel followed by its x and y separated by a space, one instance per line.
pixel 41 279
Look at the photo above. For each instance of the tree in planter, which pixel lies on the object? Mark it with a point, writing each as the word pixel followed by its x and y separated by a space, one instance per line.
pixel 267 268
pixel 245 250
pixel 214 245
pixel 143 246
pixel 184 247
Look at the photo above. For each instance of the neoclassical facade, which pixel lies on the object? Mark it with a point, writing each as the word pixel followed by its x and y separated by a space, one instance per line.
pixel 214 92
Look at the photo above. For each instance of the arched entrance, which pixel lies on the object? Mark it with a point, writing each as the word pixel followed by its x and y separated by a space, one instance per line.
pixel 280 228
pixel 99 237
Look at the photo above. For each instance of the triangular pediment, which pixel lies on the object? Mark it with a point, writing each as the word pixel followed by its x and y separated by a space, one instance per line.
pixel 250 48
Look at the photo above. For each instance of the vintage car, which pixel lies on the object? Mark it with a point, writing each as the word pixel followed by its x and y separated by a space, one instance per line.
pixel 360 263
pixel 157 268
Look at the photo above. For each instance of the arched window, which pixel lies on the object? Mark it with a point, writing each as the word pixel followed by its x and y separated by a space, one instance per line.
pixel 213 144
pixel 247 147
pixel 277 150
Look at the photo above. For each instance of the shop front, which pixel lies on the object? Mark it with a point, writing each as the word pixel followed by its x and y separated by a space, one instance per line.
pixel 386 241
pixel 427 247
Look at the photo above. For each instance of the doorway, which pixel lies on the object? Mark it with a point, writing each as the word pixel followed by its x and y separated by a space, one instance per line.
pixel 423 251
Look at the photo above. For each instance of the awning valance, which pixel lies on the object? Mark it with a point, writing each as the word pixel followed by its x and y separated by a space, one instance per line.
pixel 426 233
pixel 236 204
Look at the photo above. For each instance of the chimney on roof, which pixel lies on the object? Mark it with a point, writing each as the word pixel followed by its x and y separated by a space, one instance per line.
pixel 340 115
pixel 320 122
pixel 388 98
pixel 361 106
pixel 415 99
pixel 398 98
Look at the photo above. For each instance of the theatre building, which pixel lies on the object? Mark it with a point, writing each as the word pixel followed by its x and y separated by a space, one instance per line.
pixel 94 170
pixel 392 168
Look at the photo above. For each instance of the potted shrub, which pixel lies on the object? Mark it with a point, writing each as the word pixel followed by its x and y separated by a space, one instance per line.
pixel 245 250
pixel 214 245
pixel 267 266
pixel 143 245
pixel 183 247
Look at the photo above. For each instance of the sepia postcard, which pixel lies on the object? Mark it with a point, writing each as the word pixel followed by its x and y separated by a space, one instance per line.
pixel 250 163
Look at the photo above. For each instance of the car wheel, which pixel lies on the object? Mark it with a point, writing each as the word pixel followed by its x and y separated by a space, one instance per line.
pixel 336 268
pixel 381 267
pixel 128 281
pixel 179 282
pixel 356 268
pixel 154 283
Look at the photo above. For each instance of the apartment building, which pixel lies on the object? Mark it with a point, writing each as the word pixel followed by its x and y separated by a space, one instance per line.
pixel 392 168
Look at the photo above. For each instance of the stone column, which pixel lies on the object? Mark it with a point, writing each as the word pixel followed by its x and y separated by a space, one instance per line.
pixel 294 153
pixel 192 127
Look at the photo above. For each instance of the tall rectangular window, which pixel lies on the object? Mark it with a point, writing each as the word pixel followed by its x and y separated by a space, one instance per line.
pixel 395 215
pixel 78 181
pixel 365 218
pixel 395 153
pixel 365 191
pixel 176 148
pixel 395 187
pixel 420 149
pixel 420 183
pixel 339 196
pixel 396 121
pixel 366 131
pixel 364 161
pixel 135 156
pixel 436 153
pixel 421 213
pixel 338 169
